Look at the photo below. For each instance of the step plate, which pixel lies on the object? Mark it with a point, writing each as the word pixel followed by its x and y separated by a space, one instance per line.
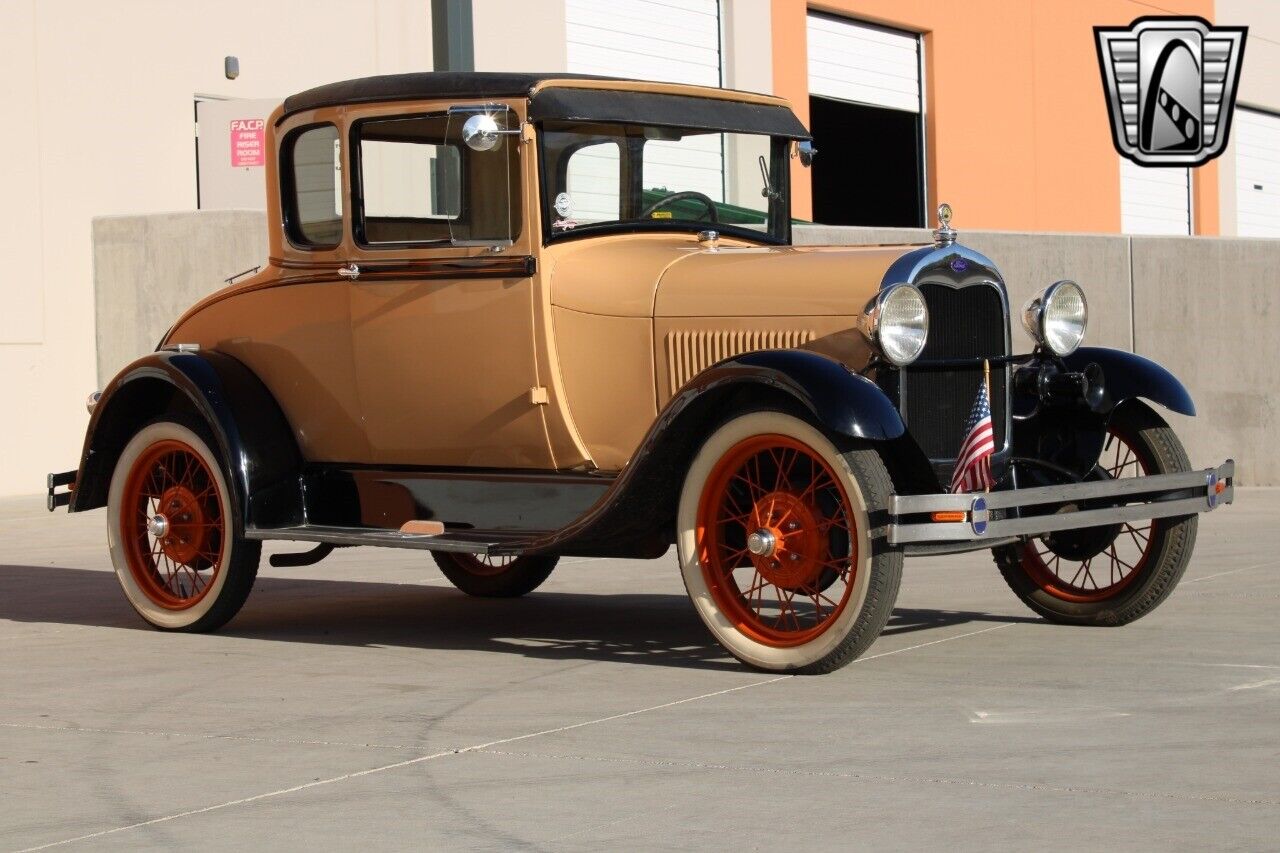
pixel 467 543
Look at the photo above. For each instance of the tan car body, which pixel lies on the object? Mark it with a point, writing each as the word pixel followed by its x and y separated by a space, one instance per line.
pixel 448 360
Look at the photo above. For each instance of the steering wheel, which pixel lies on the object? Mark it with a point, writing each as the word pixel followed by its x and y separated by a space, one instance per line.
pixel 681 196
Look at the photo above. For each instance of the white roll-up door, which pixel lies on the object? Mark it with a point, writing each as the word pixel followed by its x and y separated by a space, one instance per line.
pixel 1154 200
pixel 1256 137
pixel 674 41
pixel 856 62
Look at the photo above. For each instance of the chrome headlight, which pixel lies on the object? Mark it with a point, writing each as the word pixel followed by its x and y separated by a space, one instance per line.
pixel 1057 318
pixel 896 322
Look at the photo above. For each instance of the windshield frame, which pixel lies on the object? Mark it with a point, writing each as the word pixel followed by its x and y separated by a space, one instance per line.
pixel 778 220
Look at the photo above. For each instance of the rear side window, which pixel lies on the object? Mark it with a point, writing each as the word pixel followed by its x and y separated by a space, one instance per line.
pixel 312 169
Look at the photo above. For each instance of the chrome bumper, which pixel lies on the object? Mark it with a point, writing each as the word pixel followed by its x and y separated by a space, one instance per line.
pixel 1056 507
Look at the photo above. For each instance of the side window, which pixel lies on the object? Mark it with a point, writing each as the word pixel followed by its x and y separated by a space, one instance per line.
pixel 593 191
pixel 419 184
pixel 313 193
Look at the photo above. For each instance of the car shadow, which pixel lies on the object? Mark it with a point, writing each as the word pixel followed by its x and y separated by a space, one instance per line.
pixel 656 629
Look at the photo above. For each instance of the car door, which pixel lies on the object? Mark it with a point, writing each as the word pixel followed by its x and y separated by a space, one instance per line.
pixel 442 295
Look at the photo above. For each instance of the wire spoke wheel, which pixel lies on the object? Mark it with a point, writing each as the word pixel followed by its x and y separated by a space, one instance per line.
pixel 172 525
pixel 488 576
pixel 1115 573
pixel 775 539
pixel 1097 563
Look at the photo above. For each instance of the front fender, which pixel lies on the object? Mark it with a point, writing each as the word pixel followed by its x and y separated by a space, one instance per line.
pixel 1128 375
pixel 247 425
pixel 842 401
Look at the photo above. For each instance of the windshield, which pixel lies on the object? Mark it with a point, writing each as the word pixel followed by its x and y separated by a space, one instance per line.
pixel 603 177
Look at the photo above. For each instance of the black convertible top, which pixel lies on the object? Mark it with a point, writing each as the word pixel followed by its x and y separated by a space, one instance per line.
pixel 559 103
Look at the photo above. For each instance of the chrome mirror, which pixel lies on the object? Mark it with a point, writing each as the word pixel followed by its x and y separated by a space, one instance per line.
pixel 480 132
pixel 806 152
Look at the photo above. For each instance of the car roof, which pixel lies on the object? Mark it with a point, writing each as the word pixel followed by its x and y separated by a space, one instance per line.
pixel 429 85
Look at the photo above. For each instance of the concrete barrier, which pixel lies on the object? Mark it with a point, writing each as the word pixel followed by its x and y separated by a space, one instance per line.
pixel 1206 308
pixel 148 269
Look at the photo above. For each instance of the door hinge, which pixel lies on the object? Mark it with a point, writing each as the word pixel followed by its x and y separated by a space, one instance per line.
pixel 538 395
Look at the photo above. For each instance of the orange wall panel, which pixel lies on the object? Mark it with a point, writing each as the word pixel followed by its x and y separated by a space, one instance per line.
pixel 1017 135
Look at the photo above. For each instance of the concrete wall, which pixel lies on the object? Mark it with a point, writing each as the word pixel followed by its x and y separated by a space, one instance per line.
pixel 147 270
pixel 1206 308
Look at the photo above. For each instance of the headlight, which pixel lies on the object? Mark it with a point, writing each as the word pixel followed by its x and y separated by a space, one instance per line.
pixel 896 323
pixel 1057 317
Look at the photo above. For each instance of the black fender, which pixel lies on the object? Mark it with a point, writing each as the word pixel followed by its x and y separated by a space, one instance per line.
pixel 1127 375
pixel 636 517
pixel 252 434
pixel 841 400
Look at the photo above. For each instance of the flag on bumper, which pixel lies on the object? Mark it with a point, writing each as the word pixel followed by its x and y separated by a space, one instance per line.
pixel 973 465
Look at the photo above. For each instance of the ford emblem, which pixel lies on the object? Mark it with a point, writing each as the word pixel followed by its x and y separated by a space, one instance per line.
pixel 959 265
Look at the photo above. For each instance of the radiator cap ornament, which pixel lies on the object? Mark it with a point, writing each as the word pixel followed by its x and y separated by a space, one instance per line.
pixel 945 235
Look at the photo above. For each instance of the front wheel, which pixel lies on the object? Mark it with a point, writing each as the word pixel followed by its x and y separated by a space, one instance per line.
pixel 174 538
pixel 777 548
pixel 1114 574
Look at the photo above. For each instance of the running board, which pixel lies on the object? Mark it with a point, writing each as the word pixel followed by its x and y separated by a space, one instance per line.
pixel 467 542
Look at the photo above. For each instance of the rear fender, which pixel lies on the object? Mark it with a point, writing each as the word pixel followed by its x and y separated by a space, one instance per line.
pixel 251 433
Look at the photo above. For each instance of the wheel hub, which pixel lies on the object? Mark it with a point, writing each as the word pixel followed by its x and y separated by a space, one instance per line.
pixel 179 526
pixel 786 546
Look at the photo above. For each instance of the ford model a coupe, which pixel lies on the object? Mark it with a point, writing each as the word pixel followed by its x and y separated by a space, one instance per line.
pixel 512 317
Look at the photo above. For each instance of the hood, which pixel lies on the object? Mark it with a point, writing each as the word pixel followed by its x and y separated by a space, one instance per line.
pixel 674 276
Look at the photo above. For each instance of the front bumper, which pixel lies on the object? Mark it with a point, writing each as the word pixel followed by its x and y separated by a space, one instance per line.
pixel 961 518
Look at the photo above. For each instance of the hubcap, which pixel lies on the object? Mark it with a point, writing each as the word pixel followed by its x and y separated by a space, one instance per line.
pixel 158 526
pixel 762 543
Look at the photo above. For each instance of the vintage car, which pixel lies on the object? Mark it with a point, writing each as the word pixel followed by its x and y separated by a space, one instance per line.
pixel 511 317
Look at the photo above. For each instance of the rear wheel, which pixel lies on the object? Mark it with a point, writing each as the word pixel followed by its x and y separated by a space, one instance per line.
pixel 776 545
pixel 495 577
pixel 1114 574
pixel 172 531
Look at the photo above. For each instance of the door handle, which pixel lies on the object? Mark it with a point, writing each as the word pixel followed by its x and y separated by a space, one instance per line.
pixel 350 271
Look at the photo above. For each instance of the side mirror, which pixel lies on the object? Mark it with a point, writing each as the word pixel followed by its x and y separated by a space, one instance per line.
pixel 481 132
pixel 806 152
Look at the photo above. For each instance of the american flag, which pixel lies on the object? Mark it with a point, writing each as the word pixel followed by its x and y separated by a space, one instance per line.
pixel 973 465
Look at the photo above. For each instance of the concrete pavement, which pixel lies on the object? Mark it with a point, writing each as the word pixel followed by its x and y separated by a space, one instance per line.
pixel 364 703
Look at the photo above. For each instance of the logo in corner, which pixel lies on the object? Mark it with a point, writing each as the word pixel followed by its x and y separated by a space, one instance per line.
pixel 1171 88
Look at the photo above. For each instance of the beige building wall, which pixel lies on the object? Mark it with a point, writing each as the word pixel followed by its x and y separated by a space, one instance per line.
pixel 1259 83
pixel 99 121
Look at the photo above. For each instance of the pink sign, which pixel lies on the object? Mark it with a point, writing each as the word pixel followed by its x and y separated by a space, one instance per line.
pixel 248 142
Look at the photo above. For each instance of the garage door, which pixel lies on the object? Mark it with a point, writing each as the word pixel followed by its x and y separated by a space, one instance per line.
pixel 1257 142
pixel 1154 200
pixel 674 41
pixel 855 62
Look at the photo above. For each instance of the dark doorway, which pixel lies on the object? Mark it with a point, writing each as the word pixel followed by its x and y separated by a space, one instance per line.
pixel 867 171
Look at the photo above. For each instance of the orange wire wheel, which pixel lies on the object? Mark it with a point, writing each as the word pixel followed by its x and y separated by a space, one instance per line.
pixel 1114 573
pixel 172 527
pixel 776 550
pixel 1097 563
pixel 777 540
pixel 173 533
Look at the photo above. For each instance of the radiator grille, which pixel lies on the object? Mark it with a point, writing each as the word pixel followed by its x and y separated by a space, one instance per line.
pixel 691 351
pixel 966 322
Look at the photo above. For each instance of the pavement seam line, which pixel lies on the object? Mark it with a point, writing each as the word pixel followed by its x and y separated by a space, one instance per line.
pixel 1230 572
pixel 473 748
pixel 875 777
